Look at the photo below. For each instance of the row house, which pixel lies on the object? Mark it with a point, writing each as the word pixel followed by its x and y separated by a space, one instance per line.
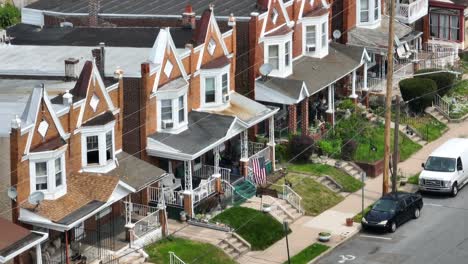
pixel 67 174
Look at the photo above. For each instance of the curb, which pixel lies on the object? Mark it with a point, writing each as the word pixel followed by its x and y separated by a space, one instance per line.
pixel 328 251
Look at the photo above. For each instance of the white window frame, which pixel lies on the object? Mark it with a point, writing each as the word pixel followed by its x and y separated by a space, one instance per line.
pixel 52 192
pixel 283 70
pixel 211 46
pixel 372 21
pixel 173 96
pixel 217 74
pixel 320 50
pixel 104 164
pixel 274 15
pixel 168 68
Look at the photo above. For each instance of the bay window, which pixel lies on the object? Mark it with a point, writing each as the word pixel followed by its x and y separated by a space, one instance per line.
pixel 278 53
pixel 368 12
pixel 214 86
pixel 47 173
pixel 315 36
pixel 287 54
pixel 311 38
pixel 445 24
pixel 181 109
pixel 166 109
pixel 273 56
pixel 109 146
pixel 324 35
pixel 171 115
pixel 92 147
pixel 98 148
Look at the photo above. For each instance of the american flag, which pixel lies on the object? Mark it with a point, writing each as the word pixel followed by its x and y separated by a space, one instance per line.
pixel 259 171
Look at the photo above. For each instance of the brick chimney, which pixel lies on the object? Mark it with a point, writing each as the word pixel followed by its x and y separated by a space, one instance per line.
pixel 70 69
pixel 188 17
pixel 93 11
pixel 262 5
pixel 99 58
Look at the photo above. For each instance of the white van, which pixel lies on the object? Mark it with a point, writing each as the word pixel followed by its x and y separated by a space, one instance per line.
pixel 446 168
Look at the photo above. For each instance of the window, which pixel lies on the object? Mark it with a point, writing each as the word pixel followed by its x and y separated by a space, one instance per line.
pixel 445 24
pixel 41 176
pixel 109 146
pixel 274 16
pixel 210 90
pixel 181 109
pixel 311 37
pixel 376 9
pixel 168 68
pixel 211 46
pixel 364 11
pixel 224 84
pixel 94 102
pixel 459 164
pixel 58 172
pixel 166 109
pixel 324 35
pixel 273 56
pixel 92 146
pixel 287 54
pixel 440 164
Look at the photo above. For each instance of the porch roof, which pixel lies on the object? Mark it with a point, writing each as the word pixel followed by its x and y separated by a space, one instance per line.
pixel 136 172
pixel 16 239
pixel 204 132
pixel 311 75
pixel 376 39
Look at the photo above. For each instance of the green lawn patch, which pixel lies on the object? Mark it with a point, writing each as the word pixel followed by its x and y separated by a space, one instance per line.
pixel 414 179
pixel 357 218
pixel 261 230
pixel 308 254
pixel 427 126
pixel 349 183
pixel 187 250
pixel 316 198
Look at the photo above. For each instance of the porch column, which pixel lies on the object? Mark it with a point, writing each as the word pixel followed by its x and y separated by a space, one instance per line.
pixel 353 95
pixel 217 174
pixel 365 89
pixel 162 215
pixel 244 161
pixel 272 143
pixel 38 254
pixel 305 117
pixel 188 205
pixel 292 122
pixel 331 106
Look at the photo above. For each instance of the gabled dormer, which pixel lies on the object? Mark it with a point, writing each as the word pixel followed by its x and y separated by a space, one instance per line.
pixel 45 147
pixel 368 13
pixel 314 18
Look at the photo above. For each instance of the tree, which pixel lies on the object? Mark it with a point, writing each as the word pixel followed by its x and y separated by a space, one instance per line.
pixel 301 147
pixel 9 15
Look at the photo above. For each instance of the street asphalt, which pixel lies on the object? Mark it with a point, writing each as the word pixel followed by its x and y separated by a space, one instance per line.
pixel 439 236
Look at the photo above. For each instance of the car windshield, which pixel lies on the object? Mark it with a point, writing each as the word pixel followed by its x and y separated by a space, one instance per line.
pixel 440 164
pixel 385 205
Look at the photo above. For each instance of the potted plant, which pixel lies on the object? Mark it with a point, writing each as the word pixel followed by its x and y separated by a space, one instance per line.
pixel 349 221
pixel 183 216
pixel 266 208
pixel 324 236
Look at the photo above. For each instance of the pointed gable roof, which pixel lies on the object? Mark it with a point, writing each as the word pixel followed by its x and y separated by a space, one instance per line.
pixel 81 87
pixel 202 27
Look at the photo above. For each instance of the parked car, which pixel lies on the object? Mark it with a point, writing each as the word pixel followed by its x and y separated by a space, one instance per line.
pixel 444 170
pixel 392 210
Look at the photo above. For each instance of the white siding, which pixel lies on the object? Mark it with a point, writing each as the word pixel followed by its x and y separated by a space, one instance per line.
pixel 32 17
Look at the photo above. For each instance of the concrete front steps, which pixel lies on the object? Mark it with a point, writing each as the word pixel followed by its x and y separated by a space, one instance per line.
pixel 330 184
pixel 234 245
pixel 437 115
pixel 133 256
pixel 283 211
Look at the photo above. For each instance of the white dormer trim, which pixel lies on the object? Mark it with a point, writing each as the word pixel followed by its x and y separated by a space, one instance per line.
pixel 104 165
pixel 320 50
pixel 283 70
pixel 372 23
pixel 311 2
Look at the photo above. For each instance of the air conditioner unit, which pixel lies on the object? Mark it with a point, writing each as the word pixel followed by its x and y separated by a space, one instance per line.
pixel 310 48
pixel 226 98
pixel 167 124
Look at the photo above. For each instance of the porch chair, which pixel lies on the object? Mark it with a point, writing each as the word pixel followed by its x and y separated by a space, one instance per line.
pixel 203 191
pixel 171 182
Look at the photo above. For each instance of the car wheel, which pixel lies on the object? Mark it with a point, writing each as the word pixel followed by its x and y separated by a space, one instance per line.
pixel 454 189
pixel 417 213
pixel 393 227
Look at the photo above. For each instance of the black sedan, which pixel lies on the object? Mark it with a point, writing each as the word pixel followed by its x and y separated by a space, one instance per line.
pixel 392 210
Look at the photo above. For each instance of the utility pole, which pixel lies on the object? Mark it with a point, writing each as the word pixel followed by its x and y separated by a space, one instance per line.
pixel 396 148
pixel 388 98
pixel 286 229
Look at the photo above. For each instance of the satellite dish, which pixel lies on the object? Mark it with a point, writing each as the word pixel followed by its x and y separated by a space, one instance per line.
pixel 266 69
pixel 336 34
pixel 12 193
pixel 35 198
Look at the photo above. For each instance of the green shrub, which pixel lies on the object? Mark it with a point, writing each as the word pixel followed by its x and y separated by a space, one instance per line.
pixel 301 147
pixel 9 15
pixel 281 152
pixel 463 55
pixel 419 92
pixel 347 104
pixel 332 148
pixel 444 80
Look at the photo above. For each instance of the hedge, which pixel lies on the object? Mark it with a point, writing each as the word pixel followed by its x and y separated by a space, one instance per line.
pixel 444 80
pixel 421 90
pixel 9 15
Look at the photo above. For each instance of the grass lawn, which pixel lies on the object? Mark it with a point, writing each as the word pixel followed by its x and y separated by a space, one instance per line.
pixel 316 198
pixel 187 250
pixel 308 254
pixel 376 137
pixel 427 126
pixel 414 179
pixel 357 218
pixel 261 230
pixel 349 183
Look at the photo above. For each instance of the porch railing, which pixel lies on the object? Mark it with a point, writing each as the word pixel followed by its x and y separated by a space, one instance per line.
pixel 413 11
pixel 206 171
pixel 373 84
pixel 255 147
pixel 265 153
pixel 147 224
pixel 204 190
pixel 170 197
pixel 292 198
pixel 173 259
pixel 442 105
pixel 136 211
